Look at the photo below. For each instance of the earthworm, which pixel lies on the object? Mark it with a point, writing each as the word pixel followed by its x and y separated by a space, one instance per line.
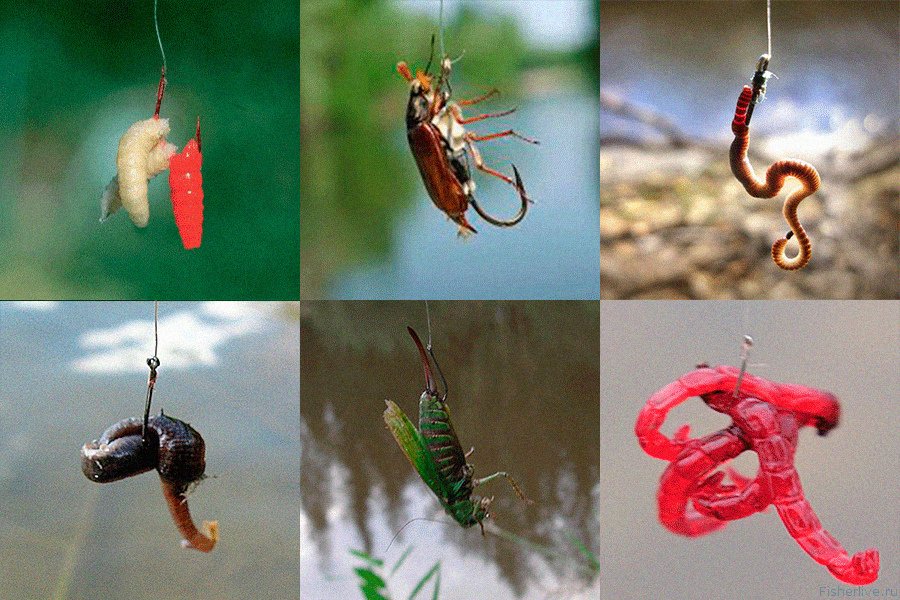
pixel 776 174
pixel 181 514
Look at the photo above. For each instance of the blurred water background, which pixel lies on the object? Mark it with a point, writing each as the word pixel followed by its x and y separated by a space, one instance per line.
pixel 523 390
pixel 73 369
pixel 369 229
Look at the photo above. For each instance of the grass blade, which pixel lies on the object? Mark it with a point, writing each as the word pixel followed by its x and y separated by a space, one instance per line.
pixel 422 582
pixel 375 562
pixel 402 558
pixel 585 552
pixel 371 584
pixel 437 586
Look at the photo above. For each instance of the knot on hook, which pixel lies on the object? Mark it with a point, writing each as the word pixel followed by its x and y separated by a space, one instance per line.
pixel 153 363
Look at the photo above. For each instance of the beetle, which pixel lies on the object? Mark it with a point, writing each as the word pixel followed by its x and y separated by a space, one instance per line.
pixel 435 129
pixel 436 454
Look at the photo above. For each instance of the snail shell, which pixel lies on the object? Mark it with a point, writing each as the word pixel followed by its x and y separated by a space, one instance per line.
pixel 172 447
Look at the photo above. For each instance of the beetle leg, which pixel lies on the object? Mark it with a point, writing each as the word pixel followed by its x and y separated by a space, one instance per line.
pixel 437 103
pixel 477 99
pixel 469 453
pixel 494 136
pixel 512 482
pixel 458 116
pixel 519 216
pixel 479 162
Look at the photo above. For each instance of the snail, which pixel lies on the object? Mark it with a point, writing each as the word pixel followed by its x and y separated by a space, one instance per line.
pixel 172 447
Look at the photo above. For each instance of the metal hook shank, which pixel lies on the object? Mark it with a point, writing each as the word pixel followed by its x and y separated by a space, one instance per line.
pixel 519 216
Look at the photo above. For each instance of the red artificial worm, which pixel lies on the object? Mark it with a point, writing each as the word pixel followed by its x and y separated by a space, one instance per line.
pixel 766 418
pixel 186 185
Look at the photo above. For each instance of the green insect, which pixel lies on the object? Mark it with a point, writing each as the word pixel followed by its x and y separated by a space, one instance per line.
pixel 436 454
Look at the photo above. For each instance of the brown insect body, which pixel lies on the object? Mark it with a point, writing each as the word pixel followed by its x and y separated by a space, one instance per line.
pixel 444 185
pixel 442 148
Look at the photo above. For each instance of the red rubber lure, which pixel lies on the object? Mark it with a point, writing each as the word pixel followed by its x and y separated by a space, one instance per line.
pixel 186 185
pixel 766 417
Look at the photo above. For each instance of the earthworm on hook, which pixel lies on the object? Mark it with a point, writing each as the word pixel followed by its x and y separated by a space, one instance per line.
pixel 769 187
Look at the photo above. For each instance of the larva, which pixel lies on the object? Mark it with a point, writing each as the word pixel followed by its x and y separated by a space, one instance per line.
pixel 186 185
pixel 143 154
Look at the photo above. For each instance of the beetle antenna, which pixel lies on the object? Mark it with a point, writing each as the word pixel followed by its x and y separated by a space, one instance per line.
pixel 430 56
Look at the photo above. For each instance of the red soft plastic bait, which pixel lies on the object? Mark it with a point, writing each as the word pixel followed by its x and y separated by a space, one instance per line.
pixel 766 417
pixel 186 185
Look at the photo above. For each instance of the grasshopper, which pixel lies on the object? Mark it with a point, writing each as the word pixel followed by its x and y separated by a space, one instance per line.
pixel 436 454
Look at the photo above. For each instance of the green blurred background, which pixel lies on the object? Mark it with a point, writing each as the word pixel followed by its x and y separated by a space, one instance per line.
pixel 75 76
pixel 360 185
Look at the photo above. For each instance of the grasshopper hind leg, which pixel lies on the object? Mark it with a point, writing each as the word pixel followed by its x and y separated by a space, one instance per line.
pixel 512 482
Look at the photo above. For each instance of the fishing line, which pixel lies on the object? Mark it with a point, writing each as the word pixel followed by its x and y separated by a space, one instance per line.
pixel 158 38
pixel 153 363
pixel 768 24
pixel 155 328
pixel 428 317
pixel 430 349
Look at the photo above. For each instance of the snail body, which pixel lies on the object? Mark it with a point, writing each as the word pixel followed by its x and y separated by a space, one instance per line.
pixel 172 447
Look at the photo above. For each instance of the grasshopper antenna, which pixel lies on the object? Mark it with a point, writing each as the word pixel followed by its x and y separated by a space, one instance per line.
pixel 396 535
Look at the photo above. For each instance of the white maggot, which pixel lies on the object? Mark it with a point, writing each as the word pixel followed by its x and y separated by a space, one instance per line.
pixel 143 154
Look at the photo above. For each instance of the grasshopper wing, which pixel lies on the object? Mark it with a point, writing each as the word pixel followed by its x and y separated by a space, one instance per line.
pixel 413 445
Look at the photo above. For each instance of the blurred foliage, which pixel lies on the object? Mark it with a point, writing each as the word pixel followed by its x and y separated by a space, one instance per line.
pixel 76 75
pixel 373 582
pixel 353 108
pixel 512 367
